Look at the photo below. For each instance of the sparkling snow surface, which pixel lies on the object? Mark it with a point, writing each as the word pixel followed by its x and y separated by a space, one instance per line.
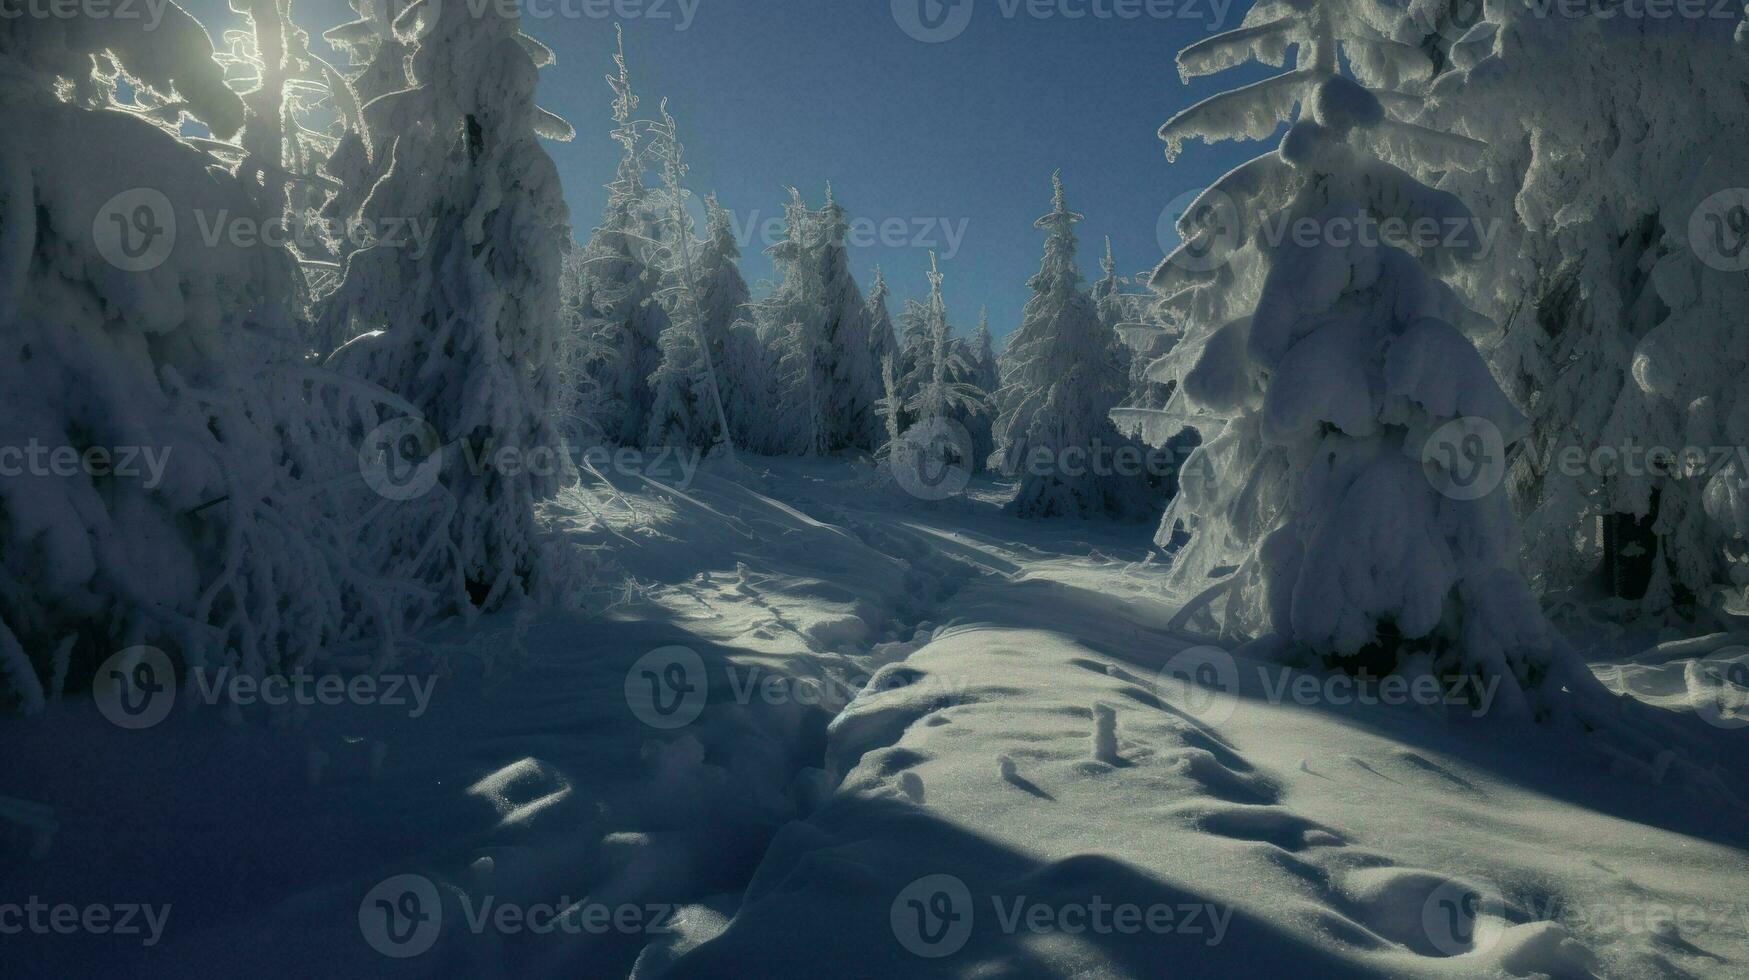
pixel 1019 792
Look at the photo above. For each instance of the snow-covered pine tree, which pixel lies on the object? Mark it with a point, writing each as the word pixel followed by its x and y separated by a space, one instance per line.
pixel 1616 330
pixel 378 67
pixel 792 325
pixel 915 331
pixel 727 310
pixel 826 382
pixel 1061 377
pixel 883 340
pixel 1108 294
pixel 986 371
pixel 301 110
pixel 623 278
pixel 942 394
pixel 125 332
pixel 465 329
pixel 687 411
pixel 580 403
pixel 853 374
pixel 985 375
pixel 1344 365
pixel 1129 317
pixel 892 409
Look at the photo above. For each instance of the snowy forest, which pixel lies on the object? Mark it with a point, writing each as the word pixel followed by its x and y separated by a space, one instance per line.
pixel 405 571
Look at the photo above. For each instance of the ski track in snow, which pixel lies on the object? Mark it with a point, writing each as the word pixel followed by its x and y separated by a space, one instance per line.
pixel 1014 735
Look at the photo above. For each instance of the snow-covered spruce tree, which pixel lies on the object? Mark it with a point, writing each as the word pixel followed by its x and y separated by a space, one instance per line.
pixel 1116 308
pixel 1130 317
pixel 1145 338
pixel 943 394
pixel 624 279
pixel 378 67
pixel 892 410
pixel 825 384
pixel 580 404
pixel 727 310
pixel 1356 544
pixel 790 324
pixel 1620 332
pixel 303 114
pixel 982 373
pixel 465 327
pixel 1061 376
pixel 125 334
pixel 915 331
pixel 853 378
pixel 687 411
pixel 883 339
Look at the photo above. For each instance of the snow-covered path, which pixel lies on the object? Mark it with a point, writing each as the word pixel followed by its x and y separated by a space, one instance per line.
pixel 1017 790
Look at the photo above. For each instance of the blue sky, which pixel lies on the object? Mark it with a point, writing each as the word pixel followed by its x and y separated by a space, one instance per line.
pixel 925 141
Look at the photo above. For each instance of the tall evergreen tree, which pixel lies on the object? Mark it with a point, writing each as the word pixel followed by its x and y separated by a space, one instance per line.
pixel 883 341
pixel 728 324
pixel 817 322
pixel 792 321
pixel 468 323
pixel 982 373
pixel 1061 377
pixel 687 409
pixel 1360 410
pixel 853 378
pixel 623 279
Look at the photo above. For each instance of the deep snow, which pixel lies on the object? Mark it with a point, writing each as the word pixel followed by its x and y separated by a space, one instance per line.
pixel 1026 787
